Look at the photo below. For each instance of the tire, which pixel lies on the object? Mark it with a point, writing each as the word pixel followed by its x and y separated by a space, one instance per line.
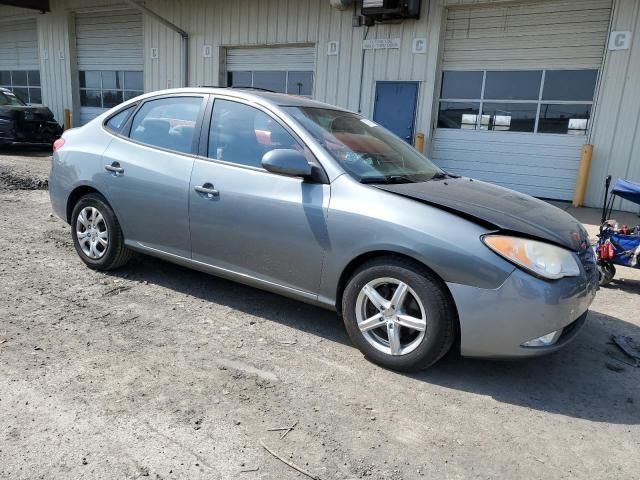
pixel 426 298
pixel 102 257
pixel 606 272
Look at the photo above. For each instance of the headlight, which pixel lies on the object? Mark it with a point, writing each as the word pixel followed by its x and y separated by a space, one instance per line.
pixel 540 258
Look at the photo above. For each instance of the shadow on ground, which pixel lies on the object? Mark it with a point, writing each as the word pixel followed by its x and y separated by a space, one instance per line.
pixel 574 382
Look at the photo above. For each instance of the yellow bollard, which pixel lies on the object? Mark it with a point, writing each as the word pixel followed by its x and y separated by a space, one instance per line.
pixel 583 175
pixel 67 119
pixel 419 142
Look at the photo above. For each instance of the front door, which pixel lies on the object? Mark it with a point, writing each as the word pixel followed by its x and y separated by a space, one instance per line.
pixel 250 221
pixel 395 107
pixel 147 174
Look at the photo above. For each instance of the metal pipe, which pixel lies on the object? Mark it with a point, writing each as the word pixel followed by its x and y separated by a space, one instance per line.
pixel 172 26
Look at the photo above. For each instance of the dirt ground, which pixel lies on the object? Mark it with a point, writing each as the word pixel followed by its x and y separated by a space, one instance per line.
pixel 158 371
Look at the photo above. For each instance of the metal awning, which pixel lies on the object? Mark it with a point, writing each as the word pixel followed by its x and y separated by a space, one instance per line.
pixel 42 5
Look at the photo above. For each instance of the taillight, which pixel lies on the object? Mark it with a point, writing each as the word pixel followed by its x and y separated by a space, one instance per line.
pixel 58 144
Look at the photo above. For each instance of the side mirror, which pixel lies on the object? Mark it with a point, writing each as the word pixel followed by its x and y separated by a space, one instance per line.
pixel 286 162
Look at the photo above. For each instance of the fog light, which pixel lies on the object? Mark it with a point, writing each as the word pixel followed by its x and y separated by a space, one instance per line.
pixel 545 340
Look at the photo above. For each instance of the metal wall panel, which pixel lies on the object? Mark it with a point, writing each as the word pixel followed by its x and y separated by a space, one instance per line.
pixel 110 40
pixel 616 131
pixel 19 45
pixel 223 24
pixel 270 58
pixel 527 35
pixel 561 34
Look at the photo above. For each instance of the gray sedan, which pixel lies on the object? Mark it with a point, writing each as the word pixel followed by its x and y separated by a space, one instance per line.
pixel 320 204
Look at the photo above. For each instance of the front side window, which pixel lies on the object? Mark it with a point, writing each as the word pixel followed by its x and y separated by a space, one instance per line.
pixel 242 134
pixel 24 83
pixel 533 101
pixel 167 123
pixel 108 88
pixel 292 82
pixel 367 151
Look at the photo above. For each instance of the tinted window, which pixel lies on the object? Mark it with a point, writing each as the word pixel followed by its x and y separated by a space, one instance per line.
pixel 240 79
pixel 572 119
pixel 570 85
pixel 461 85
pixel 242 134
pixel 300 83
pixel 458 115
pixel 116 122
pixel 167 123
pixel 274 81
pixel 513 117
pixel 513 85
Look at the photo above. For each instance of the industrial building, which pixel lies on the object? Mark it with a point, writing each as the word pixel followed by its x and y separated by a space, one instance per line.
pixel 502 90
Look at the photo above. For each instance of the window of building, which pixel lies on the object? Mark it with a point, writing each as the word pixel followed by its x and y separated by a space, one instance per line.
pixel 534 101
pixel 106 89
pixel 167 123
pixel 295 83
pixel 25 84
pixel 242 134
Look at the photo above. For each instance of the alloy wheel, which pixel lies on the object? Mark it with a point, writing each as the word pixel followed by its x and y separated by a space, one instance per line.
pixel 391 316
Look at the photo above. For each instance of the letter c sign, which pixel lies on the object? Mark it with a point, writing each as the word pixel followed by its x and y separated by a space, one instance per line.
pixel 619 40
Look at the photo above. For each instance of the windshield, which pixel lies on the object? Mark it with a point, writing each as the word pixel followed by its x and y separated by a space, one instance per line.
pixel 8 98
pixel 367 151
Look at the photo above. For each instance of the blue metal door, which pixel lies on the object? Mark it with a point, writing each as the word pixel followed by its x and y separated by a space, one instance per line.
pixel 395 107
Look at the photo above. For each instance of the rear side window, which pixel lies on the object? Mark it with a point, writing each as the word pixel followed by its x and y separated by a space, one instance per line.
pixel 167 123
pixel 116 122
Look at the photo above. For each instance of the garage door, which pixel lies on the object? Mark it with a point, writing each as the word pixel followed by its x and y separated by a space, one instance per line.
pixel 19 63
pixel 109 46
pixel 517 91
pixel 285 69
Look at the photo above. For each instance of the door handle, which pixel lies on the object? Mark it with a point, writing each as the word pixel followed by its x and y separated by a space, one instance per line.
pixel 207 190
pixel 114 168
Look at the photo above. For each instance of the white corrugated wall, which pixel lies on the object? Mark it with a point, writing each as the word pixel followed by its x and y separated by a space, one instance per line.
pixel 616 132
pixel 223 23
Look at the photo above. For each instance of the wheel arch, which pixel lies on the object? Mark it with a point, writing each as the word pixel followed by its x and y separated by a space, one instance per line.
pixel 76 194
pixel 363 258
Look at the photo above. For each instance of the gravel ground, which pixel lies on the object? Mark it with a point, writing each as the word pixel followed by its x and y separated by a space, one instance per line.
pixel 158 371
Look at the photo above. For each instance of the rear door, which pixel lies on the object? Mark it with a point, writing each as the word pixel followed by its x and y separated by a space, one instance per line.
pixel 147 170
pixel 250 221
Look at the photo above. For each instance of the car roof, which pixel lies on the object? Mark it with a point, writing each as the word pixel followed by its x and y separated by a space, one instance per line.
pixel 272 98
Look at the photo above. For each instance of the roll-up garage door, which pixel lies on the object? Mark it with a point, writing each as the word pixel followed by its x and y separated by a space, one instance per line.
pixel 517 92
pixel 284 69
pixel 109 47
pixel 19 62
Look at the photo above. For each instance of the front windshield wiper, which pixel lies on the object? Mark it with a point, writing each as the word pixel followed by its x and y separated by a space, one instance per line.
pixel 387 179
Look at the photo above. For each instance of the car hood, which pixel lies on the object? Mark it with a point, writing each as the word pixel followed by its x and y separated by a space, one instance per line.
pixel 497 208
pixel 20 112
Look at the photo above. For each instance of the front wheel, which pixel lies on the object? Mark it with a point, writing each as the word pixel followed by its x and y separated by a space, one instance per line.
pixel 606 272
pixel 97 235
pixel 399 314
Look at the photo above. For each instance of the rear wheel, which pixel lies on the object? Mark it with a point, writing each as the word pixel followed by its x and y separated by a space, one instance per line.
pixel 398 314
pixel 97 235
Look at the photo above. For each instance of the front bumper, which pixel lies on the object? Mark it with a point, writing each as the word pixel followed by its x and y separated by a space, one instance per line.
pixel 496 323
pixel 34 134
